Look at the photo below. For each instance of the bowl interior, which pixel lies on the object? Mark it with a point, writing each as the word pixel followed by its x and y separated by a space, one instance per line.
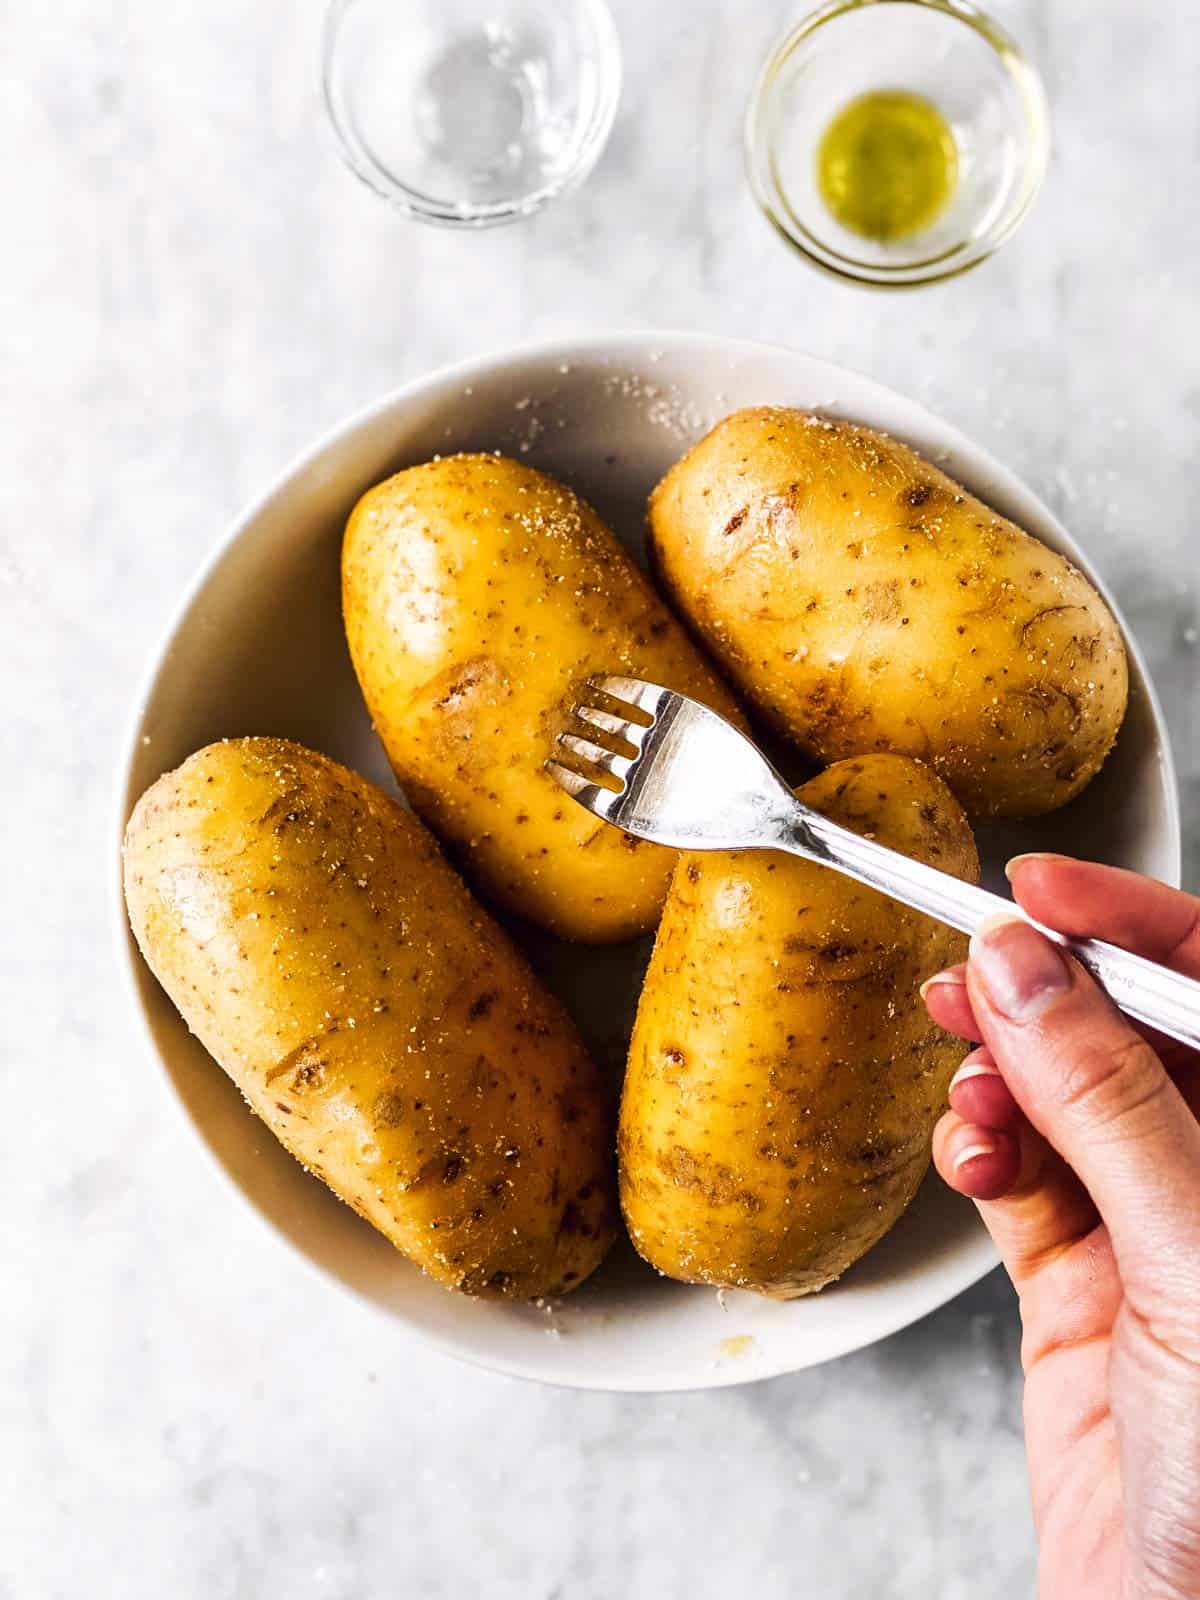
pixel 258 648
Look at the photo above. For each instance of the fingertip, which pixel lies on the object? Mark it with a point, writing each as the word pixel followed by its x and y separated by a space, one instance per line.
pixel 949 1004
pixel 1015 865
pixel 979 1063
pixel 979 1094
pixel 1045 883
pixel 981 1163
pixel 950 978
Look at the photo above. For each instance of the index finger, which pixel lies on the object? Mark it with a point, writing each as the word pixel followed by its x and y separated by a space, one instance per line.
pixel 1088 901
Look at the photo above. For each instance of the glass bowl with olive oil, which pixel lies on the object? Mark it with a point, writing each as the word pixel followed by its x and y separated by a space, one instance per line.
pixel 896 141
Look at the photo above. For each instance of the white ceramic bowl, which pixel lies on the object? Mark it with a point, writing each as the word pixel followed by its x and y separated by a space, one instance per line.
pixel 257 648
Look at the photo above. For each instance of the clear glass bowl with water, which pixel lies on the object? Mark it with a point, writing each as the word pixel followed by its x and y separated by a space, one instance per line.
pixel 470 113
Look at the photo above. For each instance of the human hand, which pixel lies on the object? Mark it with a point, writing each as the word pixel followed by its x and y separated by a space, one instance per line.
pixel 1077 1136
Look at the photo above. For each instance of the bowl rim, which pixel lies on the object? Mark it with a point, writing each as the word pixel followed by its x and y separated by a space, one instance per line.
pixel 922 1300
pixel 423 207
pixel 771 197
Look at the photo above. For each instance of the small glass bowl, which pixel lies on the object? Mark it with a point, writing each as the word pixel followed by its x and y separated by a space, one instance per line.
pixel 948 53
pixel 470 113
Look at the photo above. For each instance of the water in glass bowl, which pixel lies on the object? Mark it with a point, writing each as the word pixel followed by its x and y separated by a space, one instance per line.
pixel 470 110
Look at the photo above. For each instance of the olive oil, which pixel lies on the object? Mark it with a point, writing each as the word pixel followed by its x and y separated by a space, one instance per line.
pixel 887 164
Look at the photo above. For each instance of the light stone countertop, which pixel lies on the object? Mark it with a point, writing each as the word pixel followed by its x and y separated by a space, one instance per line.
pixel 192 288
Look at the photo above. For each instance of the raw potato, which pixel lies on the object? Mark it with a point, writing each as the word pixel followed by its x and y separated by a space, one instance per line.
pixel 371 1013
pixel 784 1076
pixel 479 596
pixel 864 601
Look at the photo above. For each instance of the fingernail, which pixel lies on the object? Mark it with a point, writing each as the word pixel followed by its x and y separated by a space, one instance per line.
pixel 981 1147
pixel 974 1069
pixel 1014 862
pixel 955 980
pixel 1019 968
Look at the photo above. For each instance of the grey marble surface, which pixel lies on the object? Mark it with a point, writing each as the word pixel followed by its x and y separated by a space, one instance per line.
pixel 191 288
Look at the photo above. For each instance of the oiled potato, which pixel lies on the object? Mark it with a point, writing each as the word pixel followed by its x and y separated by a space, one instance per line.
pixel 479 596
pixel 382 1026
pixel 784 1077
pixel 866 602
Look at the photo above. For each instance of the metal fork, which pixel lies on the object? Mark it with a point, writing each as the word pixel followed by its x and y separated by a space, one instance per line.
pixel 667 769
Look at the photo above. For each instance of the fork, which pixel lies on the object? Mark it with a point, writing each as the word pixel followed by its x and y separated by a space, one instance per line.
pixel 663 767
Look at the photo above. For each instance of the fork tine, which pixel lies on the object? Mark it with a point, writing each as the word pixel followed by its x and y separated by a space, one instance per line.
pixel 594 754
pixel 567 778
pixel 590 795
pixel 630 733
pixel 647 697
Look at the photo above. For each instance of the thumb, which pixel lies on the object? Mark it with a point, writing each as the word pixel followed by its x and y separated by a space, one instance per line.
pixel 1097 1091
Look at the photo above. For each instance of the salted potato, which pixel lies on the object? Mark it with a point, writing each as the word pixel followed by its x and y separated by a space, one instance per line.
pixel 372 1014
pixel 864 601
pixel 784 1076
pixel 479 596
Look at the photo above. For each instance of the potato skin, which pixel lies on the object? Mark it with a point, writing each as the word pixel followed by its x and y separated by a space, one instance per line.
pixel 864 601
pixel 479 596
pixel 784 1076
pixel 388 1033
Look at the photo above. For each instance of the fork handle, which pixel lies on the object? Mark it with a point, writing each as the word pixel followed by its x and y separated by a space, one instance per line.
pixel 1155 995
